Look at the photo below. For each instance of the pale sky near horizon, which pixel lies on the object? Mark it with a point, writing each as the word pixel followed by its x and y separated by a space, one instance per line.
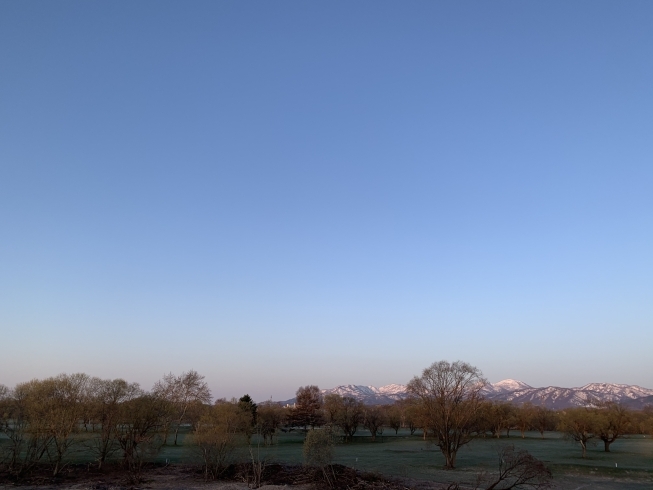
pixel 287 193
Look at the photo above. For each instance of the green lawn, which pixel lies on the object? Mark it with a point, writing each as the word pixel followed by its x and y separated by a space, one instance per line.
pixel 410 456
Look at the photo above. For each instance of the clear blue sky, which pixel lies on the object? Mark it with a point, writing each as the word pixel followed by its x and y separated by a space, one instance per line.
pixel 286 193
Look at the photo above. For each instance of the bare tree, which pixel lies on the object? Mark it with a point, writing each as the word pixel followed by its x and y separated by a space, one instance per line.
pixel 579 424
pixel 612 422
pixel 138 431
pixel 269 418
pixel 62 405
pixel 449 397
pixel 497 417
pixel 374 419
pixel 191 389
pixel 308 407
pixel 393 413
pixel 518 469
pixel 216 436
pixel 331 406
pixel 644 422
pixel 40 419
pixel 410 415
pixel 105 399
pixel 181 392
pixel 345 413
pixel 28 439
pixel 544 420
pixel 166 390
pixel 524 417
pixel 22 447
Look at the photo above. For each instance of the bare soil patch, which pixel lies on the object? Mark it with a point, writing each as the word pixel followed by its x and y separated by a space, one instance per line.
pixel 236 477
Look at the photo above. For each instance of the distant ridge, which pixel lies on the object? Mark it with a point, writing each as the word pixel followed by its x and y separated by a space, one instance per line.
pixel 369 395
pixel 516 392
pixel 557 398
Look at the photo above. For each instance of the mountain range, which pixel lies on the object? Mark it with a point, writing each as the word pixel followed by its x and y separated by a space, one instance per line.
pixel 371 395
pixel 555 397
pixel 517 392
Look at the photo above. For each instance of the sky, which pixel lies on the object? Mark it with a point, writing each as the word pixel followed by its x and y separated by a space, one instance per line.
pixel 278 194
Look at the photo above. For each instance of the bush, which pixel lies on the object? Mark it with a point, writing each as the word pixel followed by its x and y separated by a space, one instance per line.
pixel 318 448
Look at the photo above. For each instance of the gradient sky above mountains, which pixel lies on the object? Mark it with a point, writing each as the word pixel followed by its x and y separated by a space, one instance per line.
pixel 287 193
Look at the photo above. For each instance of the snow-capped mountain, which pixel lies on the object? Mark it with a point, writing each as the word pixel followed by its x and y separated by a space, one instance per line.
pixel 623 391
pixel 505 386
pixel 355 391
pixel 370 394
pixel 552 397
pixel 558 398
pixel 517 392
pixel 393 389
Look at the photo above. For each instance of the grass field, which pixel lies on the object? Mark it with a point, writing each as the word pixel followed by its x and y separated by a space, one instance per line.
pixel 628 466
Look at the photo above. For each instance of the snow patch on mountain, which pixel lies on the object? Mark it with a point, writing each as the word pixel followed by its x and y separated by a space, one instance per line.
pixel 505 386
pixel 559 398
pixel 622 391
pixel 370 394
pixel 393 389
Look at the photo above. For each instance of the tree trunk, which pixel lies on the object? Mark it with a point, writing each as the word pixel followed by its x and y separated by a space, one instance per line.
pixel 166 431
pixel 450 460
pixel 606 445
pixel 584 446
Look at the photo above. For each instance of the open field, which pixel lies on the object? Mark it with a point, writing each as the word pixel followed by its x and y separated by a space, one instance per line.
pixel 628 466
pixel 412 457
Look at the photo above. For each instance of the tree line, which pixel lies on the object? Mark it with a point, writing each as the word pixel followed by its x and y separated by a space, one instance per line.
pixel 43 422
